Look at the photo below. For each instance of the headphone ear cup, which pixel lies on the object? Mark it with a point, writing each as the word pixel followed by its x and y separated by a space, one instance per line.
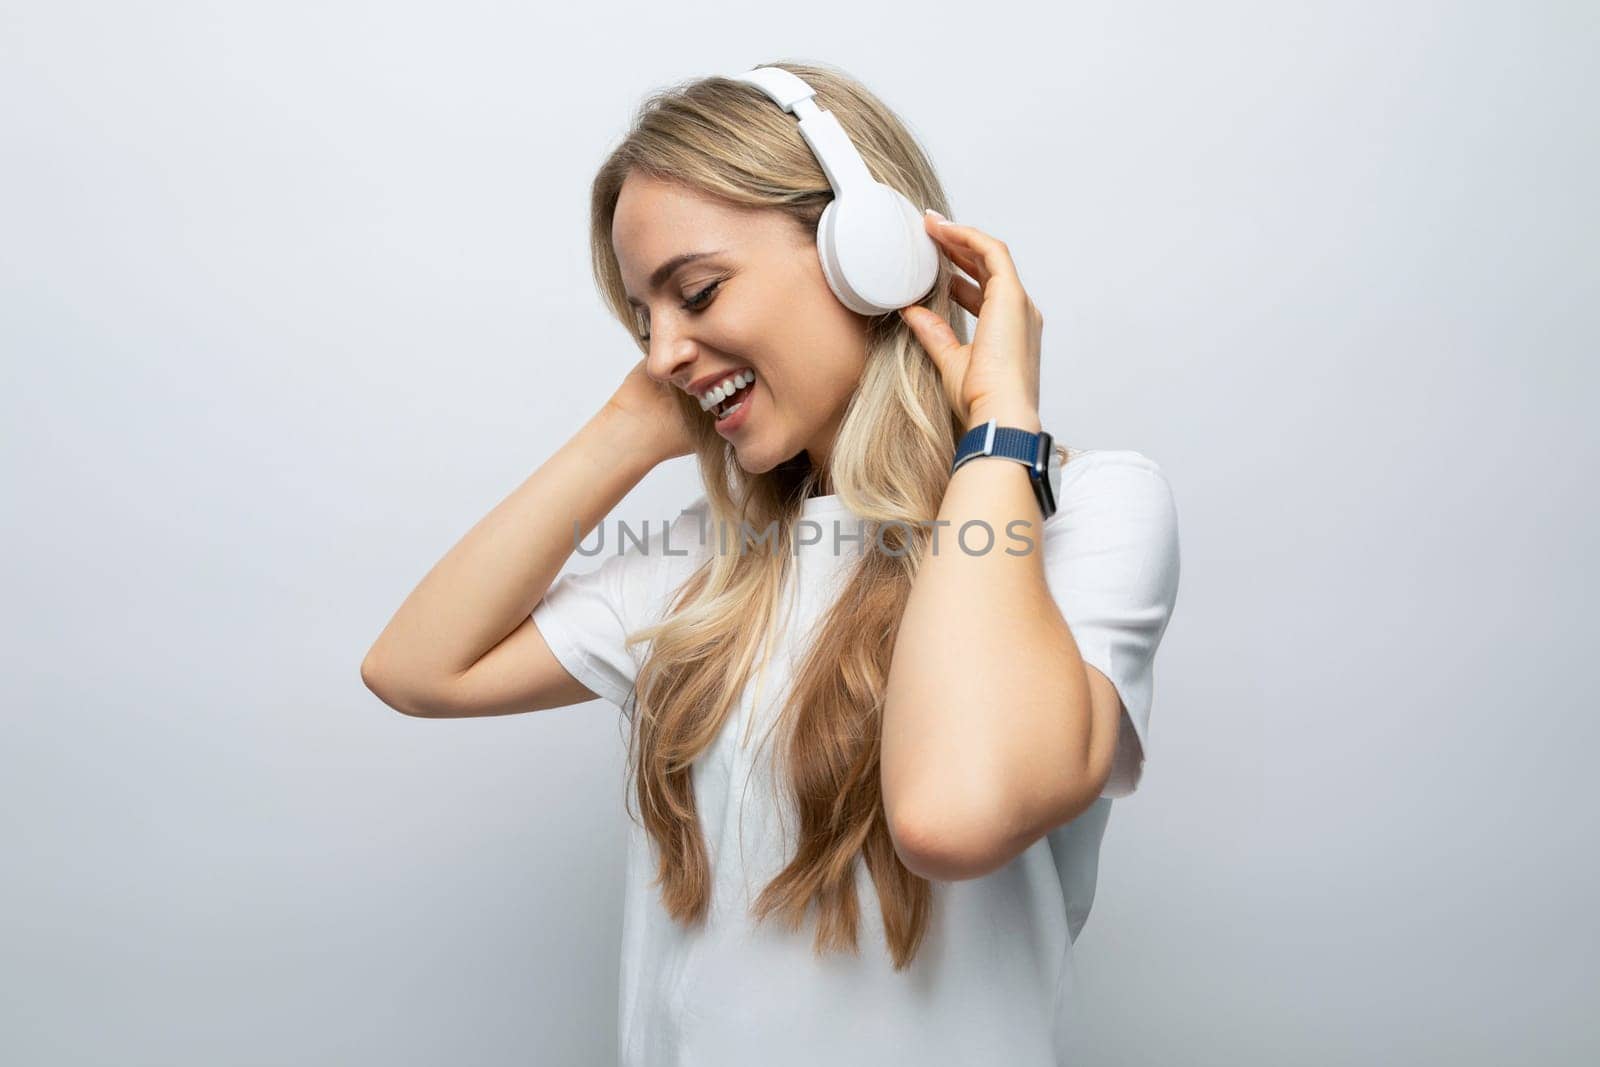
pixel 828 258
pixel 875 254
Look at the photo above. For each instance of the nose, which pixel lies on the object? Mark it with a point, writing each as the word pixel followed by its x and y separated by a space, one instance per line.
pixel 669 354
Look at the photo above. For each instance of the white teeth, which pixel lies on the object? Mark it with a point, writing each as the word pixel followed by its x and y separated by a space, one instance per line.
pixel 724 389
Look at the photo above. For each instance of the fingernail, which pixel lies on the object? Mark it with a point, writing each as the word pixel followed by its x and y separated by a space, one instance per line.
pixel 935 214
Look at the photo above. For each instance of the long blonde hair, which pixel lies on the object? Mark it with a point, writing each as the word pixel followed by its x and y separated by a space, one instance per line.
pixel 889 463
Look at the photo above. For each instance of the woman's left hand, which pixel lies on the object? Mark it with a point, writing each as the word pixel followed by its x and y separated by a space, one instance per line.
pixel 996 376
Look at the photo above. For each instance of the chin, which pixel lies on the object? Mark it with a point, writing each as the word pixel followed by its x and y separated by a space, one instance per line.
pixel 754 465
pixel 759 457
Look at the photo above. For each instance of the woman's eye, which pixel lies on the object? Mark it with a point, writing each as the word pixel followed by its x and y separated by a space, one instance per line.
pixel 698 299
pixel 694 303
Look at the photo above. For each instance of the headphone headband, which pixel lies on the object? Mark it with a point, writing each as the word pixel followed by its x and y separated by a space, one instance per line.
pixel 843 165
pixel 875 253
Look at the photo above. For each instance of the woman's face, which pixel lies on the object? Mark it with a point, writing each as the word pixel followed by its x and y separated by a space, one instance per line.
pixel 768 309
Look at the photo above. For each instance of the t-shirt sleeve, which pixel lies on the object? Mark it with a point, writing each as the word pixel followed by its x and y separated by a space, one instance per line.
pixel 586 615
pixel 1112 562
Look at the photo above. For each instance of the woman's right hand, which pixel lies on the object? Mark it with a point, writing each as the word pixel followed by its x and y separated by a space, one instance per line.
pixel 654 411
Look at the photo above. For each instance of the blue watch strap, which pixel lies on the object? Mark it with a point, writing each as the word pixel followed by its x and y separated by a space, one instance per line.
pixel 1032 450
pixel 1007 441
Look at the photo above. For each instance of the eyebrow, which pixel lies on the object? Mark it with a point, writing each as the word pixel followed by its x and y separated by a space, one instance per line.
pixel 663 272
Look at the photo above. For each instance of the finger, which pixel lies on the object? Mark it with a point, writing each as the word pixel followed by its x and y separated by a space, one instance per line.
pixel 935 334
pixel 990 252
pixel 957 254
pixel 964 260
pixel 965 293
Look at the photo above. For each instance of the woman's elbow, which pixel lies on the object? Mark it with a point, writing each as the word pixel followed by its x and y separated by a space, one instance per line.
pixel 387 686
pixel 945 847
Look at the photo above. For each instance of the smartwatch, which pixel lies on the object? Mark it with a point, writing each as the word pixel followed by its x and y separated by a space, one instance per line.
pixel 1036 451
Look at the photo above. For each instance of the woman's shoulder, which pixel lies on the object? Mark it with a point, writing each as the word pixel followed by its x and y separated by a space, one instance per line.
pixel 1079 460
pixel 686 532
pixel 1110 480
pixel 698 505
pixel 667 544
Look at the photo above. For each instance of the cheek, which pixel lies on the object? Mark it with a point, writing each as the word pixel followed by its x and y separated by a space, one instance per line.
pixel 808 389
pixel 807 348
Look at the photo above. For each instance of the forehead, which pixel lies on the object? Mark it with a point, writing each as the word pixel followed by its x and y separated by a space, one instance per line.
pixel 655 220
pixel 650 211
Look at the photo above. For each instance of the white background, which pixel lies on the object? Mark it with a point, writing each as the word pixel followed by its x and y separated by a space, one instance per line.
pixel 292 294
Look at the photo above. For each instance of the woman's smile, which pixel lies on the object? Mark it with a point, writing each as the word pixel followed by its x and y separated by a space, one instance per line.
pixel 739 414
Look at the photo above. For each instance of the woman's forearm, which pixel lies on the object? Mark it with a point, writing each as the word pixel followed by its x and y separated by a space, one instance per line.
pixel 490 581
pixel 987 704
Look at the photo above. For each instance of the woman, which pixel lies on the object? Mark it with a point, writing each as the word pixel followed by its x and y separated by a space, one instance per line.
pixel 872 769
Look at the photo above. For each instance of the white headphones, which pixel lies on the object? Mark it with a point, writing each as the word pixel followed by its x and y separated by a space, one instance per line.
pixel 874 251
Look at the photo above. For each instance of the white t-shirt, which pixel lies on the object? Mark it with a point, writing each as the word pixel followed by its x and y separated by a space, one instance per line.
pixel 993 979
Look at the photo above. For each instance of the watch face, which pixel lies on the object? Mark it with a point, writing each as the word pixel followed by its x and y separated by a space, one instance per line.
pixel 1047 488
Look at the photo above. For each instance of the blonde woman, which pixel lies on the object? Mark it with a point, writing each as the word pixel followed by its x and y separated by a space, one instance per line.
pixel 870 758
